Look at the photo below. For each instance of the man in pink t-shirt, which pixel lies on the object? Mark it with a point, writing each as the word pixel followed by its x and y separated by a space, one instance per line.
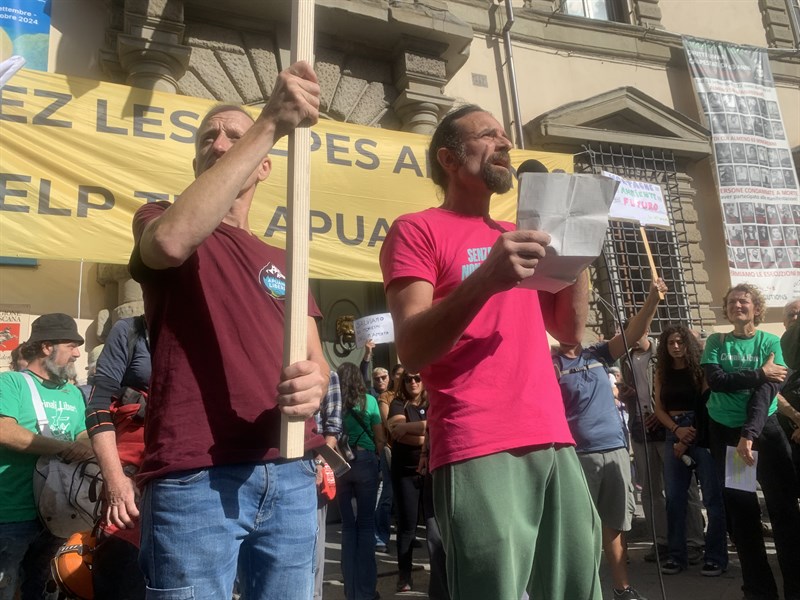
pixel 509 492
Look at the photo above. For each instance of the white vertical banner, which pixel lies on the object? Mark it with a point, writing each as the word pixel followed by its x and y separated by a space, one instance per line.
pixel 754 169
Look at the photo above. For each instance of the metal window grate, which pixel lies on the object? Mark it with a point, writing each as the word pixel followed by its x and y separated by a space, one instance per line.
pixel 623 278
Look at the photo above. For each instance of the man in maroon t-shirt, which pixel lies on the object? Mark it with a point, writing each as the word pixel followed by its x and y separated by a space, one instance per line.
pixel 217 497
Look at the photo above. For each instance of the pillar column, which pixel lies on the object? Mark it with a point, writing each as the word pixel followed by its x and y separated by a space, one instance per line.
pixel 144 44
pixel 420 76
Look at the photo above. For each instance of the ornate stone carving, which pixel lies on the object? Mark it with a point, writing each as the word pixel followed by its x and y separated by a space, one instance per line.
pixel 143 43
pixel 420 78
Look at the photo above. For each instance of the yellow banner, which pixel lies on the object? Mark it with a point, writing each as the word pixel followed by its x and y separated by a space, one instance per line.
pixel 78 157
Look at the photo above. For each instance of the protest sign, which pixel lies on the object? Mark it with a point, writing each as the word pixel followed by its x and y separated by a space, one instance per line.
pixel 638 201
pixel 378 328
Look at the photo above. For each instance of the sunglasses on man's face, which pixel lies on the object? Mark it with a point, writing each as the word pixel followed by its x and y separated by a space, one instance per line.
pixel 381 377
pixel 410 378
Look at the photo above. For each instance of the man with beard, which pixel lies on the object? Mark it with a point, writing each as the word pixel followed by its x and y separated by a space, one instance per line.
pixel 26 546
pixel 512 503
pixel 212 476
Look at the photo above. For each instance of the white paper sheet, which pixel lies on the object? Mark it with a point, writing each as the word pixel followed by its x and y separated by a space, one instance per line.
pixel 8 67
pixel 573 209
pixel 378 328
pixel 738 476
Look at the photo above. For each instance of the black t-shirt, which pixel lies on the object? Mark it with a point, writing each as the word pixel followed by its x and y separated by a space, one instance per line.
pixel 679 391
pixel 405 458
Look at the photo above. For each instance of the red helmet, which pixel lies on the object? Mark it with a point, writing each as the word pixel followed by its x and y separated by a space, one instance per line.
pixel 72 566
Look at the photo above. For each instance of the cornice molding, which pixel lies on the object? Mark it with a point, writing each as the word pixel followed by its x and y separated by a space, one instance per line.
pixel 624 116
pixel 595 38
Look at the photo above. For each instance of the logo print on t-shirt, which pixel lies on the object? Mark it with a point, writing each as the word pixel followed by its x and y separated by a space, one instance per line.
pixel 273 280
pixel 475 257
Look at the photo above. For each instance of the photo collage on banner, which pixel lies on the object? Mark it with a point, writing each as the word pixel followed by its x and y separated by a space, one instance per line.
pixel 755 173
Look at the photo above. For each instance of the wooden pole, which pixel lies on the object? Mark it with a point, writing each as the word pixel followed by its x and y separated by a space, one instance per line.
pixel 297 216
pixel 653 270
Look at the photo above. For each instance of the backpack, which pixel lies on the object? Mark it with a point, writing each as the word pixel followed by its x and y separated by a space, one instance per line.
pixel 66 494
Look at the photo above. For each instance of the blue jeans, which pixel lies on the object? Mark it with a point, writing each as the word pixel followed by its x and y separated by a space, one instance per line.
pixel 383 511
pixel 677 478
pixel 26 548
pixel 359 569
pixel 200 526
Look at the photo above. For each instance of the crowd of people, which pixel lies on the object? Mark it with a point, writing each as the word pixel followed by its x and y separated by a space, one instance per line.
pixel 516 457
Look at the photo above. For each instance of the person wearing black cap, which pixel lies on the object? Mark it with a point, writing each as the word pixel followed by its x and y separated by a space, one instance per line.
pixel 27 546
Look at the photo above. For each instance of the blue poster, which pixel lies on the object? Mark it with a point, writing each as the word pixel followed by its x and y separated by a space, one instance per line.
pixel 25 31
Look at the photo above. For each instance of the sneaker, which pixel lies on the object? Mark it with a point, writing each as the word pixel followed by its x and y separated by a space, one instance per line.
pixel 670 567
pixel 695 555
pixel 381 548
pixel 403 586
pixel 628 594
pixel 651 554
pixel 711 569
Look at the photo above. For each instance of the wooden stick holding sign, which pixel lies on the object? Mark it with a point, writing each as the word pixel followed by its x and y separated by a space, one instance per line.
pixel 653 270
pixel 297 220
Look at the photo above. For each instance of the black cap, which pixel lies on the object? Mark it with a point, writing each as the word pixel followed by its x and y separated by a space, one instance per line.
pixel 54 327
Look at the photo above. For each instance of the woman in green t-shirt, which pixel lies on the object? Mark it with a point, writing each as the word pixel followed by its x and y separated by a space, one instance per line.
pixel 744 369
pixel 362 423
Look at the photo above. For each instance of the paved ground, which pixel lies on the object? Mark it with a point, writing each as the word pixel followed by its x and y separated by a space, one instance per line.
pixel 689 585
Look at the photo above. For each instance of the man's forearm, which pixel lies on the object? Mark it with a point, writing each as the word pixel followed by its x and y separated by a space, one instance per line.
pixel 787 410
pixel 174 236
pixel 427 335
pixel 637 326
pixel 104 445
pixel 18 439
pixel 565 312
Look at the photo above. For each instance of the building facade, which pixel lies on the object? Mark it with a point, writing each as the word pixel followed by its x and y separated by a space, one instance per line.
pixel 604 80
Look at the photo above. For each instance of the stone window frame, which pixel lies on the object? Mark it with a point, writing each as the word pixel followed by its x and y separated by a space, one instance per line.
pixel 619 10
pixel 644 13
pixel 781 23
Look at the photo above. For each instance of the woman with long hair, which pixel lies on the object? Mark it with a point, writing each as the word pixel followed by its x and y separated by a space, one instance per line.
pixel 679 395
pixel 361 421
pixel 407 424
pixel 744 369
pixel 383 511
